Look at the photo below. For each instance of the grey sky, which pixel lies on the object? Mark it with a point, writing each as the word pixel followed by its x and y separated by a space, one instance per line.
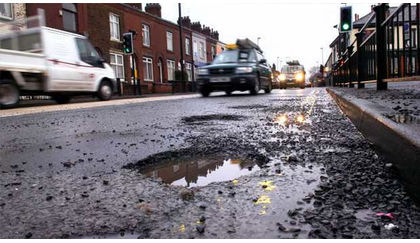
pixel 287 30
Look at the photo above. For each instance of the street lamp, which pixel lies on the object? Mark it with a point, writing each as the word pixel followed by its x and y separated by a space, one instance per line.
pixel 277 63
pixel 258 41
pixel 322 55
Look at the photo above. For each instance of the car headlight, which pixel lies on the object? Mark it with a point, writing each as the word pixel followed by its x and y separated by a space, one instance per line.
pixel 299 76
pixel 244 70
pixel 203 71
pixel 282 77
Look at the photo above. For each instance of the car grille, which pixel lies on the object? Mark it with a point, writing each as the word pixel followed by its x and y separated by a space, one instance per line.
pixel 222 71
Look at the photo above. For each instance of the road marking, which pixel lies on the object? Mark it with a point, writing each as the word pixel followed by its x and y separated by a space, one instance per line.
pixel 50 108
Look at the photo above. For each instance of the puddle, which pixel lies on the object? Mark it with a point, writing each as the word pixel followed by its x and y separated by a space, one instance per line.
pixel 404 119
pixel 200 171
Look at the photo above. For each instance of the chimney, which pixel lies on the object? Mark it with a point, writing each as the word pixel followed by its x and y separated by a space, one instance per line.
pixel 186 22
pixel 154 9
pixel 356 17
pixel 196 26
pixel 137 6
pixel 206 30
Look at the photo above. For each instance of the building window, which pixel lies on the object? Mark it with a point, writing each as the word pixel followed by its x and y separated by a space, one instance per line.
pixel 195 49
pixel 146 35
pixel 188 68
pixel 69 16
pixel 213 51
pixel 148 69
pixel 171 69
pixel 187 46
pixel 117 63
pixel 169 41
pixel 114 24
pixel 201 51
pixel 6 11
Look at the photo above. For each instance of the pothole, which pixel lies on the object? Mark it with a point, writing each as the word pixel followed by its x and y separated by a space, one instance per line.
pixel 192 170
pixel 213 117
pixel 403 118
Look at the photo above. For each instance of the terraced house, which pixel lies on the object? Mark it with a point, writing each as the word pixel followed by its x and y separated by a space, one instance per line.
pixel 157 54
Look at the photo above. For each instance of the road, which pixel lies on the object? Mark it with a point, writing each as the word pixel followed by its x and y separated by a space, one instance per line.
pixel 283 165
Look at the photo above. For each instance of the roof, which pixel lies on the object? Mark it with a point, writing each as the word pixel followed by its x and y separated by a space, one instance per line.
pixel 162 19
pixel 362 21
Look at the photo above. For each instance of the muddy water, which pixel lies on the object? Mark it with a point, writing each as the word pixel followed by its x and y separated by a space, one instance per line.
pixel 200 171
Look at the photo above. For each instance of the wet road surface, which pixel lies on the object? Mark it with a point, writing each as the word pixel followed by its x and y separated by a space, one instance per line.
pixel 283 165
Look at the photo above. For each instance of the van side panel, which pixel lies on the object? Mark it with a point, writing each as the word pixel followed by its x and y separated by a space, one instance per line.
pixel 63 63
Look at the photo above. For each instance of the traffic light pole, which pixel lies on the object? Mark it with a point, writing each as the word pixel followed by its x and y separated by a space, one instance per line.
pixel 133 76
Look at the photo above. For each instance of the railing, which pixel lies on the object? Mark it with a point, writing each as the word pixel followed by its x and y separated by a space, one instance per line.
pixel 386 52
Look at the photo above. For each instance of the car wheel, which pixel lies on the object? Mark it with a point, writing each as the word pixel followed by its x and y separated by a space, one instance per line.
pixel 9 95
pixel 205 93
pixel 105 91
pixel 268 89
pixel 228 92
pixel 255 88
pixel 62 99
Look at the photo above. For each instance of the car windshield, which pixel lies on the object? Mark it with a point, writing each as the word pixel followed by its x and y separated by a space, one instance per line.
pixel 234 56
pixel 291 69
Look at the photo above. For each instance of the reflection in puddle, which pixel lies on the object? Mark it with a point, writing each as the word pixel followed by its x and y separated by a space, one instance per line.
pixel 192 172
pixel 290 119
pixel 406 119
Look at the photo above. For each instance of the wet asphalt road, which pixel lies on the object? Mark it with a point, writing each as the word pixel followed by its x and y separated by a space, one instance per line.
pixel 105 172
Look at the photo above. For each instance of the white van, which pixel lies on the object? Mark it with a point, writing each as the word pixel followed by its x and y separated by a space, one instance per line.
pixel 46 61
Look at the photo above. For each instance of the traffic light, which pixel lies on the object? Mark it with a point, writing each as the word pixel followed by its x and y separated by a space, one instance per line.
pixel 128 43
pixel 345 19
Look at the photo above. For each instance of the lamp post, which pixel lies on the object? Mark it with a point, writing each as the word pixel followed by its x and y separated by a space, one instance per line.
pixel 277 63
pixel 181 47
pixel 258 41
pixel 322 55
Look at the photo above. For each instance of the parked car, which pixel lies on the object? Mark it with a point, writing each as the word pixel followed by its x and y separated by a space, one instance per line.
pixel 241 66
pixel 47 61
pixel 292 75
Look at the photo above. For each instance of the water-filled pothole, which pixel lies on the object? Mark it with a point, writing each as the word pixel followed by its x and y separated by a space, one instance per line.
pixel 403 118
pixel 193 167
pixel 200 171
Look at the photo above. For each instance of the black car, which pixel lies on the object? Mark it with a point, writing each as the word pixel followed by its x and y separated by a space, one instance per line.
pixel 241 66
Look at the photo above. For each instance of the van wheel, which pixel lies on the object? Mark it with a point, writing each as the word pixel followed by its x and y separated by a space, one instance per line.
pixel 105 91
pixel 62 99
pixel 205 92
pixel 9 94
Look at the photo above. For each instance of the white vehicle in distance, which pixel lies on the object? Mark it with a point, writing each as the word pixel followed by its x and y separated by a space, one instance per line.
pixel 45 61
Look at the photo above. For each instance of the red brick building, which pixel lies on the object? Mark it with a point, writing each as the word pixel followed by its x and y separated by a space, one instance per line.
pixel 157 44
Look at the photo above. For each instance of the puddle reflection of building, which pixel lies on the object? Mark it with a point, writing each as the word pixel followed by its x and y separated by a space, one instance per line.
pixel 190 170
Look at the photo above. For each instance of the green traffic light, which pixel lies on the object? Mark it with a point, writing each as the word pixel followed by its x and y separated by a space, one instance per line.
pixel 345 26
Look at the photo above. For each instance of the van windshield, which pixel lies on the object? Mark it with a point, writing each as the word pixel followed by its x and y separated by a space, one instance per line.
pixel 234 56
pixel 291 69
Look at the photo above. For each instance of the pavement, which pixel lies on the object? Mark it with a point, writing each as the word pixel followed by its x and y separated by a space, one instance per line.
pixel 390 119
pixel 28 106
pixel 283 165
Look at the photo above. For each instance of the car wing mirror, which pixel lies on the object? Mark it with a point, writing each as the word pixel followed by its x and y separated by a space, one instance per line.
pixel 262 61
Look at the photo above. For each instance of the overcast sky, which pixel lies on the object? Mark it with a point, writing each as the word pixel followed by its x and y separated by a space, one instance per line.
pixel 287 30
